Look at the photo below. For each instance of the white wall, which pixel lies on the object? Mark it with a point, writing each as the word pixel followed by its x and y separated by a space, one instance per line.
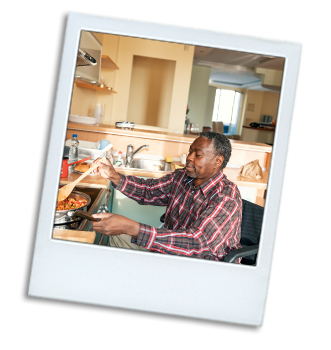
pixel 200 96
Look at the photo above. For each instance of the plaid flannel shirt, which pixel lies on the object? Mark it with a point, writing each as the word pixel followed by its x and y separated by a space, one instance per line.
pixel 202 222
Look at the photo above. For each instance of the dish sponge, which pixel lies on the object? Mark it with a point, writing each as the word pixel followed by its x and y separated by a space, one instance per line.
pixel 168 159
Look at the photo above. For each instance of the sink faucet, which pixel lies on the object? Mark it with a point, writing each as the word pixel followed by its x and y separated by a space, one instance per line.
pixel 130 153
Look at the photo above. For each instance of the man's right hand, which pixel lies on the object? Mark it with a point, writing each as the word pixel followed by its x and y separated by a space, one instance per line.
pixel 106 170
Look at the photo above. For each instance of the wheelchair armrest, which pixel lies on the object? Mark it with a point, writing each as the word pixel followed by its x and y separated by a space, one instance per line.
pixel 240 253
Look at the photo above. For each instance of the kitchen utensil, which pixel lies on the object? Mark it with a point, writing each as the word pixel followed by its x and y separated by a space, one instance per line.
pixel 124 125
pixel 101 145
pixel 63 216
pixel 99 111
pixel 82 119
pixel 82 214
pixel 65 191
pixel 65 165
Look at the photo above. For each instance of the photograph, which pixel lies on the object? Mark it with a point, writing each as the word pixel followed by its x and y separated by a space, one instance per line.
pixel 164 153
pixel 143 104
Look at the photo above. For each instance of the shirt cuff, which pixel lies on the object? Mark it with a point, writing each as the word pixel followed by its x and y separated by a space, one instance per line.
pixel 121 183
pixel 146 236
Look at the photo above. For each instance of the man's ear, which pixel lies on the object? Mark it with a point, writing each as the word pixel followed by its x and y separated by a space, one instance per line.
pixel 219 161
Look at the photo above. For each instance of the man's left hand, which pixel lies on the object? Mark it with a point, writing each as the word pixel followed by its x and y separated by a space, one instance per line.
pixel 114 225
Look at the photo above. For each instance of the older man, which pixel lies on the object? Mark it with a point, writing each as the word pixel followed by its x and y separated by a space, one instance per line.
pixel 204 208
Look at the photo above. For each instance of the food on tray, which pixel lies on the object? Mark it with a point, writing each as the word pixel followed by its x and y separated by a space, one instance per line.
pixel 82 167
pixel 70 203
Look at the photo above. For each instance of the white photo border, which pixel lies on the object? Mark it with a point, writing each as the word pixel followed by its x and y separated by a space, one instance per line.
pixel 159 283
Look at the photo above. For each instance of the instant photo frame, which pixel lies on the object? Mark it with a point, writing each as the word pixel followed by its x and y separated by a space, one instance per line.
pixel 159 283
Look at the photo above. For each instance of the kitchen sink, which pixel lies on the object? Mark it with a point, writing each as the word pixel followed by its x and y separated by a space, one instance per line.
pixel 151 165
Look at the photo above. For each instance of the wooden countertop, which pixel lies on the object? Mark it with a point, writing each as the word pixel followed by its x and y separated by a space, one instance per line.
pixel 73 235
pixel 261 129
pixel 231 173
pixel 100 182
pixel 164 136
pixel 88 181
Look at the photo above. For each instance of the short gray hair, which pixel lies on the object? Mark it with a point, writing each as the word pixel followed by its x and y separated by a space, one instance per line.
pixel 222 145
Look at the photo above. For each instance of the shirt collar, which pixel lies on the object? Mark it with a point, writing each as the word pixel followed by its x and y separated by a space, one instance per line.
pixel 209 185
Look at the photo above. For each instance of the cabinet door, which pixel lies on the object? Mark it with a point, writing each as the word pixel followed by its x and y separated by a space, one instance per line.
pixel 248 193
pixel 145 214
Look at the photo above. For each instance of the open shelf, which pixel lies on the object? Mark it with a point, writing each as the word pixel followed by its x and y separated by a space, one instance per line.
pixel 94 87
pixel 107 62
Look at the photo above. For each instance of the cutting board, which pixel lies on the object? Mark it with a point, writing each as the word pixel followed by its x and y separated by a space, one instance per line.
pixel 76 236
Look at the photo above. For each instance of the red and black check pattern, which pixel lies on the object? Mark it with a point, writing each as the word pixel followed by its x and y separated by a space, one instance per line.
pixel 202 222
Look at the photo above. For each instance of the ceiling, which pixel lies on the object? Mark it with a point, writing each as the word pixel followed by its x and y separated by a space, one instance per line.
pixel 235 68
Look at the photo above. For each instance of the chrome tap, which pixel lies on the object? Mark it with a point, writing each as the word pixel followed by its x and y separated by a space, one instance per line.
pixel 130 153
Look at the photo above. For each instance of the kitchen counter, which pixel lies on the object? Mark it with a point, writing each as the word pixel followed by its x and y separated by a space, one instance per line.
pixel 162 136
pixel 76 236
pixel 100 182
pixel 172 144
pixel 259 135
pixel 88 181
pixel 231 174
pixel 259 128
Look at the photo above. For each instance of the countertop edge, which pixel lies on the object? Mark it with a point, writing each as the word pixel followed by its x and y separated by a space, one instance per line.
pixel 164 136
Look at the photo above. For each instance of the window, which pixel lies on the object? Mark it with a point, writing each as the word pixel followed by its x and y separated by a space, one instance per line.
pixel 226 109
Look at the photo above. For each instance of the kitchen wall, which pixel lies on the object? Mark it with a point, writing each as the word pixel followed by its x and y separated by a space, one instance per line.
pixel 109 48
pixel 82 98
pixel 270 104
pixel 128 48
pixel 135 98
pixel 201 97
pixel 124 51
pixel 259 103
pixel 151 89
pixel 209 106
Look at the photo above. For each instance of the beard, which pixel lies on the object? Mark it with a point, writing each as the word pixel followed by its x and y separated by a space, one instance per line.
pixel 191 173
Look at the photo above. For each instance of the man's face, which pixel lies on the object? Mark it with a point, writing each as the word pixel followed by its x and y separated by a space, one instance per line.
pixel 202 163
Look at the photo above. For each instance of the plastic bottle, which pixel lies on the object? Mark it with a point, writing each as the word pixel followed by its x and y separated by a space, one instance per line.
pixel 183 159
pixel 119 161
pixel 73 152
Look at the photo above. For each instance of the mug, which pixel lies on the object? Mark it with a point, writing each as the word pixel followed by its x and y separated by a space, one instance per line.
pixel 102 144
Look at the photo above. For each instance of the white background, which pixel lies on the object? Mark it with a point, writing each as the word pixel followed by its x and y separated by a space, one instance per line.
pixel 190 17
pixel 316 194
